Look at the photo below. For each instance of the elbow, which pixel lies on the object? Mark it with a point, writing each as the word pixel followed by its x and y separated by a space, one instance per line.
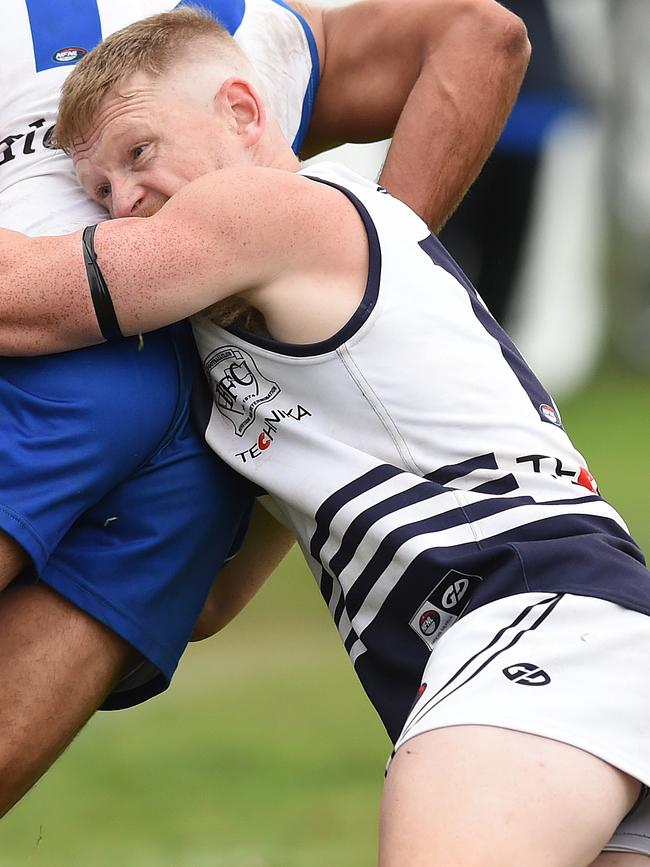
pixel 505 31
pixel 211 620
pixel 478 28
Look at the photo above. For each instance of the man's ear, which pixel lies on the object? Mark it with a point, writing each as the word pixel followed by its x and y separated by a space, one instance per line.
pixel 244 108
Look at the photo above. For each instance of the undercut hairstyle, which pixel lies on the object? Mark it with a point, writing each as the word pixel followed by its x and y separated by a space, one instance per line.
pixel 152 45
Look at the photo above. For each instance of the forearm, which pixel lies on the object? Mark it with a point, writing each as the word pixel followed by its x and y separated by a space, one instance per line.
pixel 456 111
pixel 440 76
pixel 265 546
pixel 40 299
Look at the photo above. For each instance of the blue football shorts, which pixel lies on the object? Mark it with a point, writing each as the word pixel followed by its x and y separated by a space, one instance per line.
pixel 111 491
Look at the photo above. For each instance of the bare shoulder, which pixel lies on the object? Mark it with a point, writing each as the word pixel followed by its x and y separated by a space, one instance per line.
pixel 270 205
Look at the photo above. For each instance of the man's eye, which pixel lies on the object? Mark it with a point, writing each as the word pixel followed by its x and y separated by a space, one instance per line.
pixel 137 152
pixel 103 192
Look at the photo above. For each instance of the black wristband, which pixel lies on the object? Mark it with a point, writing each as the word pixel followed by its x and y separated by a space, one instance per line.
pixel 101 297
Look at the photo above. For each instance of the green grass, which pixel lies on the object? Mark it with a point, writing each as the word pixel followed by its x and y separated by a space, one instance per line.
pixel 265 752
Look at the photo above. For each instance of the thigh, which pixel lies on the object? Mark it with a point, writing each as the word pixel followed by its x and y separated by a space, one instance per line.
pixel 569 668
pixel 12 559
pixel 477 796
pixel 630 844
pixel 56 666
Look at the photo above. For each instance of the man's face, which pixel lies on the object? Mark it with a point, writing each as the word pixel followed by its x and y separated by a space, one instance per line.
pixel 150 140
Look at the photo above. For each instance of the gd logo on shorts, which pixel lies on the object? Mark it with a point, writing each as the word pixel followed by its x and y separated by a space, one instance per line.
pixel 238 386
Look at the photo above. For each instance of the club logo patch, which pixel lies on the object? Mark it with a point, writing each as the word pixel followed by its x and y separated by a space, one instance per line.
pixel 444 605
pixel 550 413
pixel 68 55
pixel 238 386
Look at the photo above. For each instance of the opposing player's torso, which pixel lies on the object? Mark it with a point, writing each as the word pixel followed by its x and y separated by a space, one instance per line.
pixel 41 40
pixel 422 466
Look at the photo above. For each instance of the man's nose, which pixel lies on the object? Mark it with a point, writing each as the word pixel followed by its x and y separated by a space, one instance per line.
pixel 126 200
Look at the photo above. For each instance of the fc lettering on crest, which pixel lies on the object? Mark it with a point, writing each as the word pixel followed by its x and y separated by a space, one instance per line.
pixel 238 386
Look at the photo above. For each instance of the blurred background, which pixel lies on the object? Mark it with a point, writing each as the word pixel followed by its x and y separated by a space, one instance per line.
pixel 265 752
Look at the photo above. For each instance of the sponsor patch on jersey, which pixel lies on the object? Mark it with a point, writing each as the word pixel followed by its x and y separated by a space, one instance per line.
pixel 443 606
pixel 527 674
pixel 550 413
pixel 69 55
pixel 587 480
pixel 238 386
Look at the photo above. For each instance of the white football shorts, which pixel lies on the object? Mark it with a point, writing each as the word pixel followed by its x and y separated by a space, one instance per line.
pixel 571 668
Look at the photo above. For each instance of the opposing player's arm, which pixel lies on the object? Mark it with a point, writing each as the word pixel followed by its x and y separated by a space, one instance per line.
pixel 229 232
pixel 265 546
pixel 440 76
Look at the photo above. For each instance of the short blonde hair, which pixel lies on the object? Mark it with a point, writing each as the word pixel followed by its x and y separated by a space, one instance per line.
pixel 151 45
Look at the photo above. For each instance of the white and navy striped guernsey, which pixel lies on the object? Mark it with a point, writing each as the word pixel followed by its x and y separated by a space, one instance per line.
pixel 41 40
pixel 422 466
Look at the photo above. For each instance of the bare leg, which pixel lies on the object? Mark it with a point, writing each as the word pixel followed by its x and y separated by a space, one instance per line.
pixel 12 559
pixel 475 796
pixel 57 665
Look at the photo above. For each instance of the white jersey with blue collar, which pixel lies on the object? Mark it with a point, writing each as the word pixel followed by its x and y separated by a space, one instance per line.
pixel 41 40
pixel 421 464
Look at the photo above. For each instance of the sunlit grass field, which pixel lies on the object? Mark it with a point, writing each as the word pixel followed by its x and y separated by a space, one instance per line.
pixel 265 753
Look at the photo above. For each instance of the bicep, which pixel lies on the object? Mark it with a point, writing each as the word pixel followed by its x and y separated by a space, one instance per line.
pixel 212 239
pixel 372 56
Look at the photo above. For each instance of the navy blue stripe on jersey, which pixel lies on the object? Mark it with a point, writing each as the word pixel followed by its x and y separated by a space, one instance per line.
pixel 504 485
pixel 363 311
pixel 443 475
pixel 350 641
pixel 228 13
pixel 328 510
pixel 326 585
pixel 361 524
pixel 57 25
pixel 429 558
pixel 314 79
pixel 572 528
pixel 539 397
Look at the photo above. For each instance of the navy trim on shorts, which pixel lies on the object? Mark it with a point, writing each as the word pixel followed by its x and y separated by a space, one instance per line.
pixel 549 604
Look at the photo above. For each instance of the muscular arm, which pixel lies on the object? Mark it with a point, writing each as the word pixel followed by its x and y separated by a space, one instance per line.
pixel 223 234
pixel 440 76
pixel 265 546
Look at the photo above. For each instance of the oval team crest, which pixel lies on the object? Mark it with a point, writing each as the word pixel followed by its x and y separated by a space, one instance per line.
pixel 69 55
pixel 238 386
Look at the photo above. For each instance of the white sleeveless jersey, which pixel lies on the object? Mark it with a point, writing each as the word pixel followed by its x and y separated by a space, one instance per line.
pixel 41 40
pixel 422 466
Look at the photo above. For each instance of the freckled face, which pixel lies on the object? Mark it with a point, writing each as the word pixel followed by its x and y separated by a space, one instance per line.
pixel 148 142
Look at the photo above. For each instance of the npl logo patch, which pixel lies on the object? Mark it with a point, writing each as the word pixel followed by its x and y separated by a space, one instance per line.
pixel 443 606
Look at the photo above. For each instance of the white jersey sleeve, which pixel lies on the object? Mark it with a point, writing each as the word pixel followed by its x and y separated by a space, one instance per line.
pixel 41 40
